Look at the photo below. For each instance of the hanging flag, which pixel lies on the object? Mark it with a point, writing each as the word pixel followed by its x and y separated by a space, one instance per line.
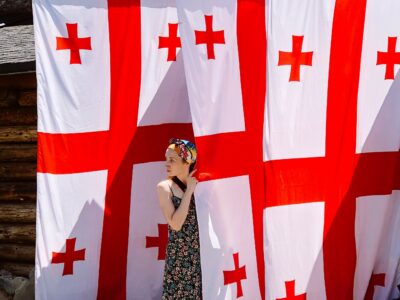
pixel 224 53
pixel 293 108
pixel 111 92
pixel 331 146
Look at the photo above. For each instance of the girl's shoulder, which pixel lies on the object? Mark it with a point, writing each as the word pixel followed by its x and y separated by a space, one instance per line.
pixel 165 184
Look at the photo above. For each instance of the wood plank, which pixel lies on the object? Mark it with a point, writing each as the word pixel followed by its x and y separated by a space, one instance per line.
pixel 16 7
pixel 18 81
pixel 17 269
pixel 18 233
pixel 8 97
pixel 18 191
pixel 17 212
pixel 27 98
pixel 18 134
pixel 12 116
pixel 17 171
pixel 17 253
pixel 18 152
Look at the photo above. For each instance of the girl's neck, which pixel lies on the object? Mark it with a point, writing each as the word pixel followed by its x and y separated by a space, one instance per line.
pixel 182 178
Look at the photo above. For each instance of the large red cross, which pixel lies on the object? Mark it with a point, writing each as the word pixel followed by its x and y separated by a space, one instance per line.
pixel 367 173
pixel 236 275
pixel 117 149
pixel 341 175
pixel 389 58
pixel 337 178
pixel 290 292
pixel 296 58
pixel 73 43
pixel 68 257
pixel 219 153
pixel 172 42
pixel 376 280
pixel 159 241
pixel 209 37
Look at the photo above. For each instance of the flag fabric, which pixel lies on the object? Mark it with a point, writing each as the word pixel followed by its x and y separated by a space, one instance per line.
pixel 101 135
pixel 226 87
pixel 332 150
pixel 294 110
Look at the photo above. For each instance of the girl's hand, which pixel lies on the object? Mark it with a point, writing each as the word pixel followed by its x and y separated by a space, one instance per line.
pixel 191 181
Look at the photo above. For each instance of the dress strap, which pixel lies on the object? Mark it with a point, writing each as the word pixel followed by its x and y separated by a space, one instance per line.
pixel 171 190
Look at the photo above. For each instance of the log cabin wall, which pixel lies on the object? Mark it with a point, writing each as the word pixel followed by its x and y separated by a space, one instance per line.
pixel 18 146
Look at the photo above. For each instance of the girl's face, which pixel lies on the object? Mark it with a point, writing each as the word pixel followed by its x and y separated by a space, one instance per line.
pixel 174 164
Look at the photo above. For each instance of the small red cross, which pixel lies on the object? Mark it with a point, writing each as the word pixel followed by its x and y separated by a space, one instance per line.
pixel 235 276
pixel 68 257
pixel 209 37
pixel 172 42
pixel 73 43
pixel 389 58
pixel 159 241
pixel 289 285
pixel 376 279
pixel 296 58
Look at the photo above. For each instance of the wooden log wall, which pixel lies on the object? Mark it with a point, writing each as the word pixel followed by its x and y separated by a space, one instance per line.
pixel 18 146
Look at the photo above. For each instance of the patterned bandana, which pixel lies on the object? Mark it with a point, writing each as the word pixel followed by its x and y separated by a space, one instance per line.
pixel 185 149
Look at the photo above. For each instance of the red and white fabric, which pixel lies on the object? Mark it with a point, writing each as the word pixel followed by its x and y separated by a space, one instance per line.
pixel 378 130
pixel 220 58
pixel 295 116
pixel 72 98
pixel 332 140
pixel 105 71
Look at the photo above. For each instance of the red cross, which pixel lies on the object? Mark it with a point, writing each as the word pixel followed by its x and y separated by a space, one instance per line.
pixel 209 37
pixel 389 58
pixel 337 178
pixel 236 276
pixel 333 178
pixel 342 174
pixel 115 150
pixel 251 51
pixel 290 292
pixel 159 241
pixel 172 42
pixel 68 257
pixel 296 58
pixel 376 279
pixel 73 43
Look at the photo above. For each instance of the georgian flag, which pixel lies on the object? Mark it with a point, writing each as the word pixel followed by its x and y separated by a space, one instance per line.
pixel 295 115
pixel 331 149
pixel 111 92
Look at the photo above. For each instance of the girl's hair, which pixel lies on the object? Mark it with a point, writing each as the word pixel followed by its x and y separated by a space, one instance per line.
pixel 191 167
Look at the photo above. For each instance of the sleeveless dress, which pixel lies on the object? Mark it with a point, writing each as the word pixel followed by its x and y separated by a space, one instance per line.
pixel 182 272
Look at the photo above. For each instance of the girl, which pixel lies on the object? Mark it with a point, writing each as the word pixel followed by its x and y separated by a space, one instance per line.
pixel 182 273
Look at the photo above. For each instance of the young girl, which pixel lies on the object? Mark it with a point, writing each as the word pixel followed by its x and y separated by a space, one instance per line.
pixel 182 273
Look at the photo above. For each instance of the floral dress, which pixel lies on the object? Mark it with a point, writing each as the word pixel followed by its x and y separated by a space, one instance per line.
pixel 182 272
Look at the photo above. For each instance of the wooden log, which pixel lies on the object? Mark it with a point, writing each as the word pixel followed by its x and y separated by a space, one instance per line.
pixel 16 7
pixel 18 212
pixel 17 269
pixel 17 253
pixel 18 191
pixel 18 233
pixel 18 81
pixel 8 97
pixel 18 134
pixel 11 116
pixel 17 171
pixel 18 152
pixel 27 98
